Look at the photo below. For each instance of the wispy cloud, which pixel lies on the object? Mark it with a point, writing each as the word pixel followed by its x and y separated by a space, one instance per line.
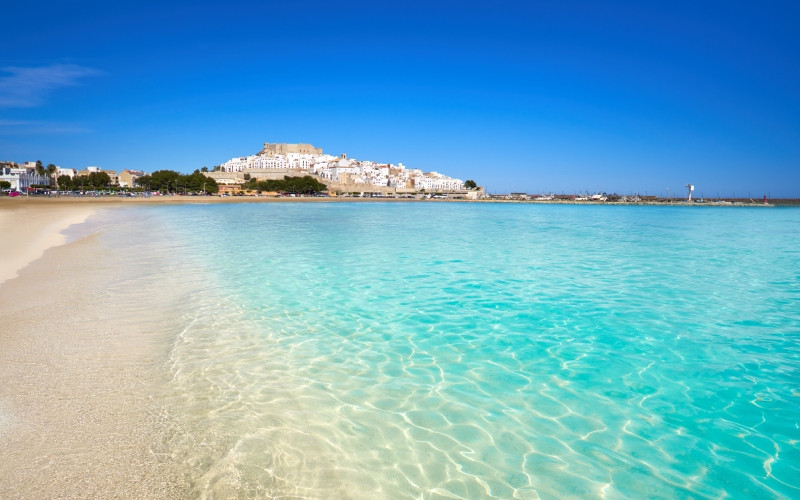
pixel 23 127
pixel 15 123
pixel 28 87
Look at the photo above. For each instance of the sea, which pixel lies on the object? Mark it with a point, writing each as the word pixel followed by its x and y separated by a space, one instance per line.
pixel 472 350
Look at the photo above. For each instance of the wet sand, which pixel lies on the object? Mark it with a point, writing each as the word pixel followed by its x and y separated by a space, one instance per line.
pixel 30 228
pixel 80 413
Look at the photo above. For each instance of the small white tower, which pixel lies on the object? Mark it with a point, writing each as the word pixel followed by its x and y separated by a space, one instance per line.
pixel 691 188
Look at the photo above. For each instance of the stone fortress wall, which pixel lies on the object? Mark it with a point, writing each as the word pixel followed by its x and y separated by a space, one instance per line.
pixel 283 149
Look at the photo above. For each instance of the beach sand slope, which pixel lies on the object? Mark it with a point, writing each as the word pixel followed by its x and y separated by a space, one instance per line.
pixel 77 385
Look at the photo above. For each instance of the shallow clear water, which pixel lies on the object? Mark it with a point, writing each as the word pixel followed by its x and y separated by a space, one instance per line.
pixel 477 350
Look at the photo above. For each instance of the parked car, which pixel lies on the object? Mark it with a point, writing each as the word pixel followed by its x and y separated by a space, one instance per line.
pixel 13 193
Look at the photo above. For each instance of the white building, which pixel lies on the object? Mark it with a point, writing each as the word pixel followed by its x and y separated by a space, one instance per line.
pixel 299 161
pixel 234 164
pixel 346 171
pixel 22 178
pixel 70 172
pixel 343 170
pixel 433 181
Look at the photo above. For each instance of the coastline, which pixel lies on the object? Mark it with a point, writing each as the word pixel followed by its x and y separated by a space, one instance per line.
pixel 179 200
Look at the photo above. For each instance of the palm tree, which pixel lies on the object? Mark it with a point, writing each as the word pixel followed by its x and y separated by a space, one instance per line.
pixel 51 171
pixel 39 168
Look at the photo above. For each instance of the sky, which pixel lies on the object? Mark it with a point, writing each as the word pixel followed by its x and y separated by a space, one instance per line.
pixel 537 96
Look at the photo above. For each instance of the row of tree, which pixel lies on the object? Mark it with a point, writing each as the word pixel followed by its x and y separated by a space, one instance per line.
pixel 298 185
pixel 169 181
pixel 50 170
pixel 166 181
pixel 95 180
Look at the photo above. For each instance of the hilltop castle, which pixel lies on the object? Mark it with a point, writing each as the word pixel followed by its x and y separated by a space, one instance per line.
pixel 283 149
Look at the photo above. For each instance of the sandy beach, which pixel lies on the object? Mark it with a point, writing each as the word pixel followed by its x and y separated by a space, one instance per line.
pixel 31 227
pixel 77 371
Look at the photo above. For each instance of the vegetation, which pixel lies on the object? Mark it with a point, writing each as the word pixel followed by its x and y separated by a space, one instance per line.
pixel 165 181
pixel 470 184
pixel 95 180
pixel 5 185
pixel 169 181
pixel 51 172
pixel 297 185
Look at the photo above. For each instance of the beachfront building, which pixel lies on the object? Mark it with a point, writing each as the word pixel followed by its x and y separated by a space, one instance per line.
pixel 69 172
pixel 436 182
pixel 112 174
pixel 127 178
pixel 23 176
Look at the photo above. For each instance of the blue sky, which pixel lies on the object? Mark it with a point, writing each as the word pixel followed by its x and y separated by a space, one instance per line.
pixel 532 96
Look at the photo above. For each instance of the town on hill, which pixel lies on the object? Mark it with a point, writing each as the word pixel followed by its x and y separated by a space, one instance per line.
pixel 340 173
pixel 247 175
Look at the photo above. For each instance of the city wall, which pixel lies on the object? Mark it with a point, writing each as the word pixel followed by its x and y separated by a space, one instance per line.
pixel 283 149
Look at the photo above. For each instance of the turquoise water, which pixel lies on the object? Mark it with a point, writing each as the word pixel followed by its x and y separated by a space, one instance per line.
pixel 476 350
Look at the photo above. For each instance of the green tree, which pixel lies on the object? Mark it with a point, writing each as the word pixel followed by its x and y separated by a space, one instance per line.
pixel 204 169
pixel 194 182
pixel 65 182
pixel 99 180
pixel 40 168
pixel 51 172
pixel 143 181
pixel 297 185
pixel 208 184
pixel 164 180
pixel 171 181
pixel 470 184
pixel 5 185
pixel 253 184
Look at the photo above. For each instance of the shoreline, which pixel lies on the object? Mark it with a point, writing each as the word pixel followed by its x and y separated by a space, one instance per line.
pixel 30 229
pixel 179 200
pixel 80 376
